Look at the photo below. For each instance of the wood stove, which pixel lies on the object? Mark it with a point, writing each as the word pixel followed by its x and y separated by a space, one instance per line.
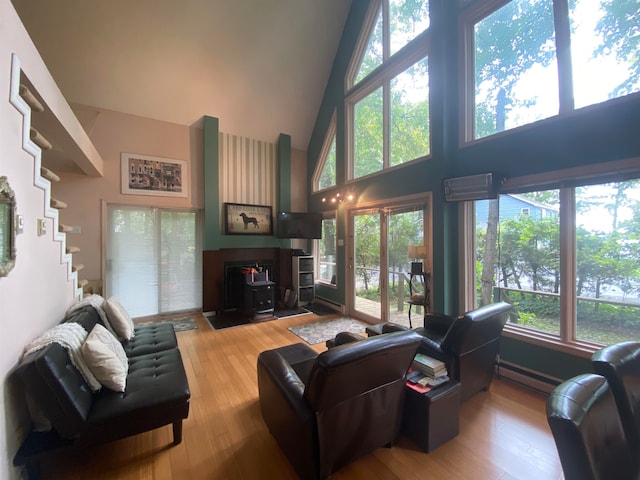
pixel 251 293
pixel 258 297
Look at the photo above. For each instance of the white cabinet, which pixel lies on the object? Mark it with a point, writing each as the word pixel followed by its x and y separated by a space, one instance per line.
pixel 303 279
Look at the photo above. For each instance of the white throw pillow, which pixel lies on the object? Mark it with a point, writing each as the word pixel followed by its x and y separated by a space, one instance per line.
pixel 119 318
pixel 105 357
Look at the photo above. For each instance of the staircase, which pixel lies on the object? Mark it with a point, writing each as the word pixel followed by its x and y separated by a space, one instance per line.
pixel 34 143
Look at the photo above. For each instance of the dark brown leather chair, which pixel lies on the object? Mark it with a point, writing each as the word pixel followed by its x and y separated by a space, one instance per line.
pixel 468 343
pixel 329 409
pixel 620 365
pixel 588 432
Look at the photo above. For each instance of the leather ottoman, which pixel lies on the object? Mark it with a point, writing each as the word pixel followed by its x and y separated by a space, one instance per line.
pixel 433 418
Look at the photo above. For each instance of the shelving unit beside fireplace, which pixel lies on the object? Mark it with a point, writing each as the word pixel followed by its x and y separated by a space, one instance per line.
pixel 303 278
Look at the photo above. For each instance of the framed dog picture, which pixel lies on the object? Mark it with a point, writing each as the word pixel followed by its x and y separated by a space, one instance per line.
pixel 241 219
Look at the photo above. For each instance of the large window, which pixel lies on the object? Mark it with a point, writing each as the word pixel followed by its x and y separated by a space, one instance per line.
pixel 570 266
pixel 388 99
pixel 326 253
pixel 532 59
pixel 325 172
pixel 154 261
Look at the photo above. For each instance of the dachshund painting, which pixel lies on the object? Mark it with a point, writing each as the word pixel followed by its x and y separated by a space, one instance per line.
pixel 248 220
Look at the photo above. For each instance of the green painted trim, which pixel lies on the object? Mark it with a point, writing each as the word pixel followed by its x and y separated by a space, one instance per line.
pixel 211 156
pixel 544 360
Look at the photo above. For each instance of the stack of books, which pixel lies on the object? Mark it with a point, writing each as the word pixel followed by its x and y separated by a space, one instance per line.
pixel 431 367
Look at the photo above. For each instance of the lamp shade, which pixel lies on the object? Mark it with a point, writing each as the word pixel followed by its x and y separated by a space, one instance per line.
pixel 416 251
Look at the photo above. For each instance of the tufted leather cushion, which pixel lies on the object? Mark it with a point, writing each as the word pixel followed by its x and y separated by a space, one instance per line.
pixel 153 337
pixel 149 338
pixel 86 316
pixel 157 391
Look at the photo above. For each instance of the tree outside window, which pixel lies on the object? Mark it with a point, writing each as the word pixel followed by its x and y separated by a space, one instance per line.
pixel 388 105
pixel 525 270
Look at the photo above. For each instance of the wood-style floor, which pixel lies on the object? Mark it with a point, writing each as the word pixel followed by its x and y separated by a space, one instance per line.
pixel 503 432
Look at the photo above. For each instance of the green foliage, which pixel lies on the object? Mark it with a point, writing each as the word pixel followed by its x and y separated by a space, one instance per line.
pixel 538 305
pixel 369 293
pixel 405 97
pixel 526 319
pixel 620 32
pixel 530 246
pixel 407 19
pixel 509 42
pixel 605 256
pixel 368 134
pixel 373 54
pixel 328 176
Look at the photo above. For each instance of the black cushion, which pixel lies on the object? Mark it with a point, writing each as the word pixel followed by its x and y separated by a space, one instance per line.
pixel 57 387
pixel 150 338
pixel 156 390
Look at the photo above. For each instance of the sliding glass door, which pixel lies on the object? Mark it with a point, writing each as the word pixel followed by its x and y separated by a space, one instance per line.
pixel 368 284
pixel 153 259
pixel 379 266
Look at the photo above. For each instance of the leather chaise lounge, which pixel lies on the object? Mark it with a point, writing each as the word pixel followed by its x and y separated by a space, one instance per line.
pixel 156 394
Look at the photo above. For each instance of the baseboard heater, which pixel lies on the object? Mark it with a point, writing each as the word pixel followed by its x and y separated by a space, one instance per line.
pixel 527 377
pixel 330 304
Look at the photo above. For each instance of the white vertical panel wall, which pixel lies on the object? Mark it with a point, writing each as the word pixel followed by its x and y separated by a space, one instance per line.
pixel 247 170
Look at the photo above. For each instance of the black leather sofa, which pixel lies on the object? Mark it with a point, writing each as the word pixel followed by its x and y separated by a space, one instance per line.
pixel 157 393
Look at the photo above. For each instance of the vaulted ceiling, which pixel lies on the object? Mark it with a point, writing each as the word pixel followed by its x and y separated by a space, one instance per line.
pixel 260 66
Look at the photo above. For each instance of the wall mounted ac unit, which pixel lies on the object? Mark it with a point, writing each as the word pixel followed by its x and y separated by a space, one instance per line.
pixel 472 187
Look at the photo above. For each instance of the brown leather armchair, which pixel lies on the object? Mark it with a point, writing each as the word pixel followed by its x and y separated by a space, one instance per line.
pixel 329 409
pixel 588 432
pixel 468 343
pixel 620 365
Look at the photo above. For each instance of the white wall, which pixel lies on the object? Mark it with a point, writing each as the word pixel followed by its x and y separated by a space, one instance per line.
pixel 37 292
pixel 113 133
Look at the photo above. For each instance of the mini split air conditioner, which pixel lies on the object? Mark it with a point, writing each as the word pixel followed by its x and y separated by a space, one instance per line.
pixel 472 187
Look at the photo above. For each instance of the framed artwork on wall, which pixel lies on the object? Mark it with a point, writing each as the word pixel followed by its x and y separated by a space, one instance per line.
pixel 242 219
pixel 145 175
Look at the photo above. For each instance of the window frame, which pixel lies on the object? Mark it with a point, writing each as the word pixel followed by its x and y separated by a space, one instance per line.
pixel 327 215
pixel 472 12
pixel 329 139
pixel 566 181
pixel 381 77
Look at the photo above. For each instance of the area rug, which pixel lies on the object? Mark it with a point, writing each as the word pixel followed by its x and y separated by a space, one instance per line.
pixel 179 324
pixel 281 313
pixel 319 332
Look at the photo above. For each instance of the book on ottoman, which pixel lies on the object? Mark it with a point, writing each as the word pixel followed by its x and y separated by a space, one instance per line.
pixel 429 366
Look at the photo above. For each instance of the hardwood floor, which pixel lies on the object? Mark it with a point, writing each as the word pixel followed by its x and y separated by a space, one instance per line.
pixel 503 432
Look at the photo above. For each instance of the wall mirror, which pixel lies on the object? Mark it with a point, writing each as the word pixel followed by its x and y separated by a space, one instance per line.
pixel 7 228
